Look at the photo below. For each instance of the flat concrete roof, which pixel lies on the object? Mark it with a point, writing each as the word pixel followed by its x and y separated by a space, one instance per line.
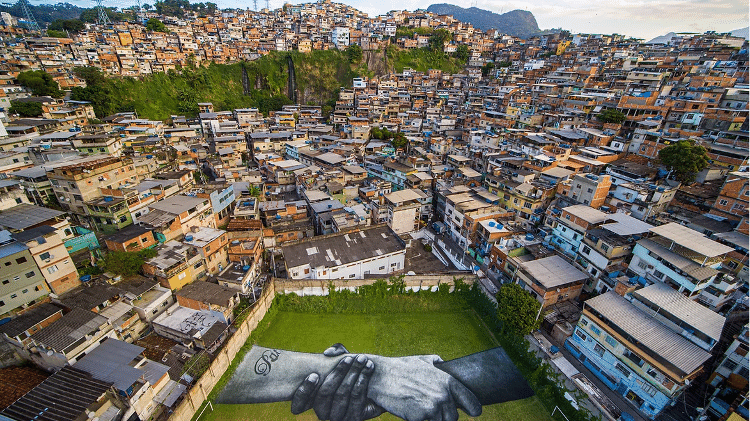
pixel 553 271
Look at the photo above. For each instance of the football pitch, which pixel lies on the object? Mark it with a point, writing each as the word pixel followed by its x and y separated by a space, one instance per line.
pixel 447 334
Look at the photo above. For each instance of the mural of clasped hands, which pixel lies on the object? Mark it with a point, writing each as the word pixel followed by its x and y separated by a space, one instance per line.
pixel 340 386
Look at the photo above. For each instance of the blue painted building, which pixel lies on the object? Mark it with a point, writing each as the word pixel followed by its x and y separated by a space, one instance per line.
pixel 634 353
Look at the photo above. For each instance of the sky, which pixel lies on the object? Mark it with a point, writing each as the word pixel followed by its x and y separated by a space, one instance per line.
pixel 638 18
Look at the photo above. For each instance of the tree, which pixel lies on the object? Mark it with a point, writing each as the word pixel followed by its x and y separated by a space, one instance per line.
pixel 26 109
pixel 611 115
pixel 462 52
pixel 126 263
pixel 69 25
pixel 56 34
pixel 685 159
pixel 487 68
pixel 147 6
pixel 354 53
pixel 40 83
pixel 156 25
pixel 98 90
pixel 438 39
pixel 517 310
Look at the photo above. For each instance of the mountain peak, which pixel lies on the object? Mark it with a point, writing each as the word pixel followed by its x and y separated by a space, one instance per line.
pixel 520 23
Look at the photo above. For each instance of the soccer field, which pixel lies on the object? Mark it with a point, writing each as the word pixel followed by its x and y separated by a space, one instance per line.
pixel 449 335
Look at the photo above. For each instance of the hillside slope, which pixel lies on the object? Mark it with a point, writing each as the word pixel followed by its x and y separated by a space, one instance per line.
pixel 518 23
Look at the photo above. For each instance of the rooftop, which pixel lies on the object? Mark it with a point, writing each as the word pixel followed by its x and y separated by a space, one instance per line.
pixel 66 331
pixel 691 239
pixel 693 314
pixel 553 271
pixel 648 334
pixel 207 292
pixel 343 248
pixel 24 216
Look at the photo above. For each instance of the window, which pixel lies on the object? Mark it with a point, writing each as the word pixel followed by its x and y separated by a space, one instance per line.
pixel 12 296
pixel 26 291
pixel 723 202
pixel 642 264
pixel 611 341
pixel 584 322
pixel 45 256
pixel 729 365
pixel 2 303
pixel 381 268
pixel 595 330
pixel 21 260
pixel 605 248
pixel 6 282
pixel 599 350
pixel 580 334
pixel 632 357
pixel 30 274
pixel 352 275
pixel 181 276
pixel 658 274
pixel 590 190
pixel 52 269
pixel 18 200
pixel 622 369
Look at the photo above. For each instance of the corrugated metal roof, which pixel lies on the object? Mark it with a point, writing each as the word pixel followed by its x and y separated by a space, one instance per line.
pixel 691 239
pixel 64 396
pixel 650 335
pixel 25 215
pixel 69 328
pixel 553 271
pixel 682 307
pixel 109 362
pixel 683 263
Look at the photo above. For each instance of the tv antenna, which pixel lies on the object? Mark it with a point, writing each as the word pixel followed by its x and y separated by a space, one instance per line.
pixel 102 19
pixel 30 21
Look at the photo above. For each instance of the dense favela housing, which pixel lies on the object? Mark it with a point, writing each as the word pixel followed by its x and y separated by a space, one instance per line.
pixel 605 175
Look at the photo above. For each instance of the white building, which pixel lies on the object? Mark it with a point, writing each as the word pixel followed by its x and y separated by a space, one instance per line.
pixel 340 37
pixel 352 255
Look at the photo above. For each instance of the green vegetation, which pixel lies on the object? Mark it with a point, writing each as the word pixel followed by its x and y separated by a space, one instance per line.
pixel 610 115
pixel 125 263
pixel 398 139
pixel 386 319
pixel 40 83
pixel 408 32
pixel 261 83
pixel 422 60
pixel 156 25
pixel 196 365
pixel 685 159
pixel 517 310
pixel 56 34
pixel 66 25
pixel 178 7
pixel 25 109
pixel 433 324
pixel 92 15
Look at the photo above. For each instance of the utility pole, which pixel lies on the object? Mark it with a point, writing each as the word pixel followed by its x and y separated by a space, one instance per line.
pixel 30 21
pixel 103 19
pixel 255 5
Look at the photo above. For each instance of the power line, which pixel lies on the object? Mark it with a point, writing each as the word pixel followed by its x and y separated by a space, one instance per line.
pixel 30 21
pixel 103 19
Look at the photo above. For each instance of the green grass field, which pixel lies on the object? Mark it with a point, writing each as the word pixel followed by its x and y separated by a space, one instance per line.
pixel 448 334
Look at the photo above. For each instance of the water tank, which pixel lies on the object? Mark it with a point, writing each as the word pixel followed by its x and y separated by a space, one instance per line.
pixel 189 237
pixel 245 268
pixel 235 242
pixel 529 237
pixel 85 278
pixel 491 224
pixel 330 206
pixel 279 216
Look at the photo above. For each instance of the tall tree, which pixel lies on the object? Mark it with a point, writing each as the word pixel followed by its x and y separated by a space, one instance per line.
pixel 685 159
pixel 40 83
pixel 611 116
pixel 517 310
pixel 26 109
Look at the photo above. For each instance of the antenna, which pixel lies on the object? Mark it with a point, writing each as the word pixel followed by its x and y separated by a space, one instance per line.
pixel 31 22
pixel 103 19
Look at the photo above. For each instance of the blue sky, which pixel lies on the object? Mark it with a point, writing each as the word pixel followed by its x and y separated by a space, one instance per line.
pixel 639 18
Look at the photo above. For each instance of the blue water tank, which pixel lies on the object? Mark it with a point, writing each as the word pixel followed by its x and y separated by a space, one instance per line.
pixel 189 237
pixel 85 278
pixel 529 237
pixel 245 268
pixel 491 224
